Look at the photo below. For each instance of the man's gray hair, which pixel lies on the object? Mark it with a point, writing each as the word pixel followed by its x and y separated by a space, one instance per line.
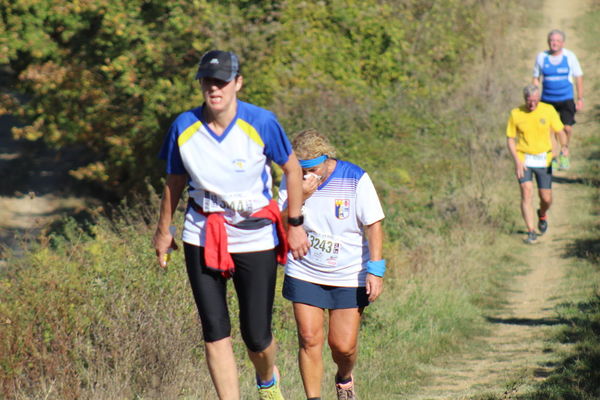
pixel 530 90
pixel 557 32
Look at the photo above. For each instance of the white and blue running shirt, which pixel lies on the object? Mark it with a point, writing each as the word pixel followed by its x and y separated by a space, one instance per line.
pixel 334 217
pixel 557 73
pixel 230 173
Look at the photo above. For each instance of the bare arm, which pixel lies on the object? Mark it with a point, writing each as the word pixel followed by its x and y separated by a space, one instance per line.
pixel 579 87
pixel 297 238
pixel 163 240
pixel 562 139
pixel 536 81
pixel 512 148
pixel 374 233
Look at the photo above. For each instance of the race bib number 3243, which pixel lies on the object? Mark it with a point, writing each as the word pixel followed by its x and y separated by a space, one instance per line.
pixel 324 249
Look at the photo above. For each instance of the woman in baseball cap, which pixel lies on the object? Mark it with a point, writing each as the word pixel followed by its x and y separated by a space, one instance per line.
pixel 222 152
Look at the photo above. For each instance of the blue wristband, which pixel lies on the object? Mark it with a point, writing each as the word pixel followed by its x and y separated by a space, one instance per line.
pixel 376 268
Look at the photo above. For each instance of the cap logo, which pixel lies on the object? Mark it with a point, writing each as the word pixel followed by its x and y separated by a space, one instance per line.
pixel 214 61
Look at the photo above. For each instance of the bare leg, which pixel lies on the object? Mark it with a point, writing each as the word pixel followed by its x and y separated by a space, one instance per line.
pixel 264 361
pixel 343 339
pixel 545 200
pixel 309 320
pixel 569 133
pixel 222 368
pixel 526 207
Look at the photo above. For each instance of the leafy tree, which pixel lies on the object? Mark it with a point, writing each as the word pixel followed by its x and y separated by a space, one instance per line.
pixel 111 75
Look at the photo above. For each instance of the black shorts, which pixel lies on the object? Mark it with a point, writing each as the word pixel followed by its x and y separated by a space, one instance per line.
pixel 254 281
pixel 566 109
pixel 543 176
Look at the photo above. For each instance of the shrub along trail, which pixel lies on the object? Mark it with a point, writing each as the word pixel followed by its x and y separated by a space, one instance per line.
pixel 516 353
pixel 94 318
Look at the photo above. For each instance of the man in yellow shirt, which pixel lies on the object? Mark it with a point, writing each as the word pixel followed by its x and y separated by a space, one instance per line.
pixel 530 137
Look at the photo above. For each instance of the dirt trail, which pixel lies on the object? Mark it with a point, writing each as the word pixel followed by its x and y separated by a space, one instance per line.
pixel 35 187
pixel 515 353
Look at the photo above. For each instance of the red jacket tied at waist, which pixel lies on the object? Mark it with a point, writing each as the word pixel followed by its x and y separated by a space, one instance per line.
pixel 216 255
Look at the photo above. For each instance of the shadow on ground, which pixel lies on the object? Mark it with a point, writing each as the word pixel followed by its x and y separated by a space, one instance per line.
pixel 577 376
pixel 588 249
pixel 32 169
pixel 588 180
pixel 526 321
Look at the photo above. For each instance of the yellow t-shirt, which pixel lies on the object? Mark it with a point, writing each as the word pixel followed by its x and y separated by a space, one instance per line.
pixel 533 128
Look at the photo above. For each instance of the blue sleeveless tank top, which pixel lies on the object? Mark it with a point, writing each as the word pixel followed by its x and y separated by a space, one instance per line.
pixel 556 84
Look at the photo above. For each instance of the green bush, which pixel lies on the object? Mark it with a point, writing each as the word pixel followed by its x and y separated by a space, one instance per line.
pixel 111 75
pixel 91 315
pixel 88 313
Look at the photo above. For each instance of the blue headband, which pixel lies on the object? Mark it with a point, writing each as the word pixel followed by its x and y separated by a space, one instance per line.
pixel 313 161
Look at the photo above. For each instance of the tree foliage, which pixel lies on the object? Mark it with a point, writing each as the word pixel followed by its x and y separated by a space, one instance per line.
pixel 112 74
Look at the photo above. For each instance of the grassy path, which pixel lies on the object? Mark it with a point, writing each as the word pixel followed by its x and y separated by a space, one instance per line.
pixel 516 353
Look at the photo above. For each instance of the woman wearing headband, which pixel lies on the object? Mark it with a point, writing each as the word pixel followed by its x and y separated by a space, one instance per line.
pixel 343 270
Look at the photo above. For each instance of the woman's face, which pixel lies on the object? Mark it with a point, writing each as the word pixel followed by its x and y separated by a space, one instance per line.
pixel 220 95
pixel 319 170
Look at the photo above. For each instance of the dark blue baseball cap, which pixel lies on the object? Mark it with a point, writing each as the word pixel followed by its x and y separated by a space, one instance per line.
pixel 222 65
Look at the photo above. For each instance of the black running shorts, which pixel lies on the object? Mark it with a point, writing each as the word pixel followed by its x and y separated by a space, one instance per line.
pixel 566 110
pixel 254 281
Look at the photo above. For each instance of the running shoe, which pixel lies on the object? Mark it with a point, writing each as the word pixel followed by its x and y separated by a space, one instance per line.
pixel 345 391
pixel 563 162
pixel 554 164
pixel 531 237
pixel 542 223
pixel 272 392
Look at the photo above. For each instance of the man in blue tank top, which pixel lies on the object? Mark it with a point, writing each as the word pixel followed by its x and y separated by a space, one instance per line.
pixel 558 68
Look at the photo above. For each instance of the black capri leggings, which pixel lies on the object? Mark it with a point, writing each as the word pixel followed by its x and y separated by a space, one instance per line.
pixel 254 280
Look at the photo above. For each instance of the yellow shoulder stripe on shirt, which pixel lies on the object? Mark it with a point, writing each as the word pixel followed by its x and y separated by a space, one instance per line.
pixel 188 133
pixel 250 131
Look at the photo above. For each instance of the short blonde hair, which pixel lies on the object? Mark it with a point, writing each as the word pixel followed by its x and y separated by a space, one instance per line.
pixel 309 144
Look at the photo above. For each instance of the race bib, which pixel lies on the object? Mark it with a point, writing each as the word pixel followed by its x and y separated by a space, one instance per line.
pixel 238 202
pixel 536 160
pixel 324 249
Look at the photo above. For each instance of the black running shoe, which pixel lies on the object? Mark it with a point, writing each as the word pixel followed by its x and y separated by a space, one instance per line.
pixel 531 238
pixel 542 223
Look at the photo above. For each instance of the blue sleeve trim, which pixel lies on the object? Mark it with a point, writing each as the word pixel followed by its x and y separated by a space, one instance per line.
pixel 277 145
pixel 170 148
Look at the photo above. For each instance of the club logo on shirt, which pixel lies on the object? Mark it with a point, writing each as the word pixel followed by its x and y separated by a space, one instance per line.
pixel 239 165
pixel 542 121
pixel 342 208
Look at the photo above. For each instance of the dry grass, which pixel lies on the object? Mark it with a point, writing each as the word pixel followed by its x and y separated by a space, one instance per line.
pixel 93 318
